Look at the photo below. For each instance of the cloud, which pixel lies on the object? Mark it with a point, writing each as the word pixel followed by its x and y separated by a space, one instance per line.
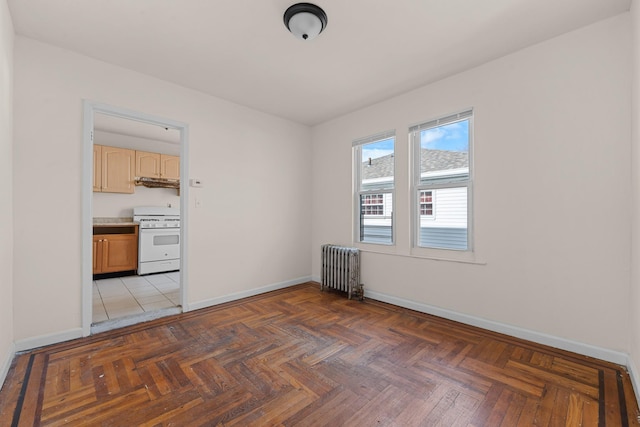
pixel 433 135
pixel 452 137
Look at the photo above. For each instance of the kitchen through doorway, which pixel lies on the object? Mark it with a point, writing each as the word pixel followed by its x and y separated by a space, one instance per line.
pixel 134 220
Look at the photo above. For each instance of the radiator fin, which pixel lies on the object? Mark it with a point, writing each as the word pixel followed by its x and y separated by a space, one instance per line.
pixel 341 269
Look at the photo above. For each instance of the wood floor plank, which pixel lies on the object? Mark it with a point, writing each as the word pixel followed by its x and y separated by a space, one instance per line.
pixel 575 371
pixel 501 408
pixel 514 411
pixel 543 375
pixel 486 408
pixel 546 406
pixel 574 411
pixel 560 408
pixel 589 414
pixel 302 357
pixel 383 409
pixel 80 398
pixel 31 408
pixel 527 413
pixel 528 385
pixel 611 398
pixel 459 379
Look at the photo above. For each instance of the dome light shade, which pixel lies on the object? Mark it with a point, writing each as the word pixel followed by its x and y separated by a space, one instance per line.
pixel 305 20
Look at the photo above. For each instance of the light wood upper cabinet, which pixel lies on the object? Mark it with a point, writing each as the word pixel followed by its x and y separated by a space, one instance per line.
pixel 97 168
pixel 169 166
pixel 115 169
pixel 118 170
pixel 156 165
pixel 147 164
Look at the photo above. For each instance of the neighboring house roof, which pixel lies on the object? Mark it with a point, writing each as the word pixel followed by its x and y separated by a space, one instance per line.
pixel 431 160
pixel 378 167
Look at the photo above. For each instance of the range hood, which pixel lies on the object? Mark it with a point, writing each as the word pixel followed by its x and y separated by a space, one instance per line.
pixel 158 182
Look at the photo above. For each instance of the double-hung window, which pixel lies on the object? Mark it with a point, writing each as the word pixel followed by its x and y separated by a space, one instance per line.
pixel 374 165
pixel 442 181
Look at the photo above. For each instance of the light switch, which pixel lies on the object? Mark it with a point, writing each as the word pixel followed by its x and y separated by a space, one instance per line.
pixel 195 182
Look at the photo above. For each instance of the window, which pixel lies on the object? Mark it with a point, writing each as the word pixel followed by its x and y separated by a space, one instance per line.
pixel 426 203
pixel 374 165
pixel 373 204
pixel 442 173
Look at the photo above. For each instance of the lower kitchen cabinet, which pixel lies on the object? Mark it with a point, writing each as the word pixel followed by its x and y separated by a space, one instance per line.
pixel 115 252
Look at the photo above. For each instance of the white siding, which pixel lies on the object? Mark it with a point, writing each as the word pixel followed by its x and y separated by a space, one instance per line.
pixel 449 208
pixel 382 220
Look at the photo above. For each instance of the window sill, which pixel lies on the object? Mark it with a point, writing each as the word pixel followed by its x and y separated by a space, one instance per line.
pixel 451 255
pixel 383 248
pixel 462 257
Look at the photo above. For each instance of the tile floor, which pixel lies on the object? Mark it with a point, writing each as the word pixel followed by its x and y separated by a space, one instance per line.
pixel 125 296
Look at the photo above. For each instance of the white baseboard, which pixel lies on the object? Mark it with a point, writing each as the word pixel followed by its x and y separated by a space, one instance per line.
pixel 635 378
pixel 244 294
pixel 514 331
pixel 42 340
pixel 538 337
pixel 6 363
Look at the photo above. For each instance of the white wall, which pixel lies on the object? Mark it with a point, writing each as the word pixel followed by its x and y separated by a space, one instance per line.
pixel 6 192
pixel 252 165
pixel 551 123
pixel 634 300
pixel 120 205
pixel 551 191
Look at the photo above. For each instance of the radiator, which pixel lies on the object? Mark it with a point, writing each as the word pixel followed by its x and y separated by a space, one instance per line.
pixel 341 270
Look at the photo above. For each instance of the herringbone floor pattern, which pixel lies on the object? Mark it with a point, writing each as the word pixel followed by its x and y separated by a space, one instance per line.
pixel 300 357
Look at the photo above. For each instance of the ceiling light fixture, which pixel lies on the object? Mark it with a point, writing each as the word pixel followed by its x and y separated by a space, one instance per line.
pixel 305 20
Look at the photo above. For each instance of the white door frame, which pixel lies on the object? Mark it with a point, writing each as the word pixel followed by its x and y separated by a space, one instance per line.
pixel 89 109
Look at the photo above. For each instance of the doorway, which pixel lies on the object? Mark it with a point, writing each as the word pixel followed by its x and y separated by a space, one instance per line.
pixel 114 294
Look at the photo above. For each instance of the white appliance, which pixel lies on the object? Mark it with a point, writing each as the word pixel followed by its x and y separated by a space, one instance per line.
pixel 158 239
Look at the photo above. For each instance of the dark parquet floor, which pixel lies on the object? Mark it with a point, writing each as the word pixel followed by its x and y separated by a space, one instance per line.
pixel 302 357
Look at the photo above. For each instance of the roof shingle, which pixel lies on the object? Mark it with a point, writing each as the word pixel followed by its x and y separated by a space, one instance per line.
pixel 430 160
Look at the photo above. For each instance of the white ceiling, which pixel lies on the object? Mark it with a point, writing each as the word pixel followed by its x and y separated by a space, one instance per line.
pixel 240 50
pixel 121 126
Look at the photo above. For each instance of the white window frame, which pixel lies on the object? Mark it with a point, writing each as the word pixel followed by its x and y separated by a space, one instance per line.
pixel 450 181
pixel 358 191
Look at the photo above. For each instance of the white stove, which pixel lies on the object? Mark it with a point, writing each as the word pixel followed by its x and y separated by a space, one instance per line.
pixel 158 239
pixel 157 217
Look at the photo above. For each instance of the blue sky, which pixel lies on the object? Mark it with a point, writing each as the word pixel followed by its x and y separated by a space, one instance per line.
pixel 451 137
pixel 377 149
